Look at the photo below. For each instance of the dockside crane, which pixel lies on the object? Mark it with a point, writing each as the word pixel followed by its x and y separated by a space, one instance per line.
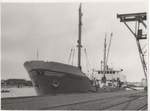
pixel 139 20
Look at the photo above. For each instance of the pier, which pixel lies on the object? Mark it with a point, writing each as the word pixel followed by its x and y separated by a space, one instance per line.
pixel 121 100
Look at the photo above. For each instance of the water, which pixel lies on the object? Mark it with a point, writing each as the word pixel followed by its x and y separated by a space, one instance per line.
pixel 18 92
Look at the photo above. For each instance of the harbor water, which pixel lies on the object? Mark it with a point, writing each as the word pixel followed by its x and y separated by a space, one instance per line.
pixel 18 92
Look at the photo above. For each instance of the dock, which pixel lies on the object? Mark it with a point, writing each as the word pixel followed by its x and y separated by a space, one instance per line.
pixel 120 100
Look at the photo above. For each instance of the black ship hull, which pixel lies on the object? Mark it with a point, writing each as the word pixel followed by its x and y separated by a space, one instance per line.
pixel 55 78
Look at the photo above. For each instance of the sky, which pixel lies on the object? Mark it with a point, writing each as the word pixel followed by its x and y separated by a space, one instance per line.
pixel 52 28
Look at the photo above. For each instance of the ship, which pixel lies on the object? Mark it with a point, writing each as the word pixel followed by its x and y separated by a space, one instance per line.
pixel 55 78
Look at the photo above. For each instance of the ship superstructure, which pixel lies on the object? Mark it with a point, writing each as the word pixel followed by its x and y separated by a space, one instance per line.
pixel 107 76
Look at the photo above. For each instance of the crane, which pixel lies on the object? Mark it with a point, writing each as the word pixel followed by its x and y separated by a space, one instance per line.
pixel 139 19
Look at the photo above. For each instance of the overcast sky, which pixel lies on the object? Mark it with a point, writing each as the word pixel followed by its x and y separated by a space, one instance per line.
pixel 52 28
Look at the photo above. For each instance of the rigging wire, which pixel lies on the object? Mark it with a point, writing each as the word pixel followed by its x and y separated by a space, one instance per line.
pixel 87 61
pixel 71 56
pixel 37 54
pixel 73 52
pixel 69 60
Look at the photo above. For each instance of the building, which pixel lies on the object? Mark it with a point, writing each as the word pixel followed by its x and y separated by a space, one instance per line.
pixel 15 83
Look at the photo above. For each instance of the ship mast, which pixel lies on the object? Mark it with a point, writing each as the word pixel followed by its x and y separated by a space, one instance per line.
pixel 105 55
pixel 79 39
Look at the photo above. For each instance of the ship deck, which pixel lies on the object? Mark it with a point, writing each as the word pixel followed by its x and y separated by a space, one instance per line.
pixel 120 100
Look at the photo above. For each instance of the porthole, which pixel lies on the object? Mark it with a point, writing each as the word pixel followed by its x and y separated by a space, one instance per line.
pixel 55 83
